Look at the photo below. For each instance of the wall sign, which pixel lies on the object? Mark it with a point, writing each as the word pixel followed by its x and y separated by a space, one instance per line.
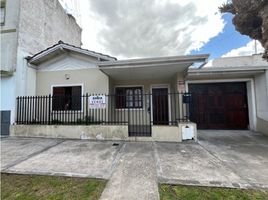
pixel 97 101
pixel 181 86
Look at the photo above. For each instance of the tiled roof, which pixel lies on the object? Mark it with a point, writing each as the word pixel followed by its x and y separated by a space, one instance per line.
pixel 61 42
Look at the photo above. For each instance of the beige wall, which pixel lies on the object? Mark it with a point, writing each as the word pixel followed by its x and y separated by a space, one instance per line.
pixel 141 116
pixel 82 70
pixel 145 83
pixel 93 80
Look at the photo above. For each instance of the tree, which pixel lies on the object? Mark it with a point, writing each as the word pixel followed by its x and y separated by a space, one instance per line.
pixel 250 18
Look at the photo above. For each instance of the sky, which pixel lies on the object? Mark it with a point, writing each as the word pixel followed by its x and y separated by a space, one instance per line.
pixel 149 28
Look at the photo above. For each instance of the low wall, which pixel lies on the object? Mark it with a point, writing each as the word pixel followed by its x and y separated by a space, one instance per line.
pixel 73 132
pixel 166 133
pixel 95 132
pixel 262 126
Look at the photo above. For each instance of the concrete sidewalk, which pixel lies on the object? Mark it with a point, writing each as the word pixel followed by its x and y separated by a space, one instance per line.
pixel 17 150
pixel 237 159
pixel 80 158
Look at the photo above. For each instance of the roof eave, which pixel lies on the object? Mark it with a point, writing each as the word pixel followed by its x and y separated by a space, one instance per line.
pixel 63 46
pixel 148 61
pixel 224 73
pixel 223 69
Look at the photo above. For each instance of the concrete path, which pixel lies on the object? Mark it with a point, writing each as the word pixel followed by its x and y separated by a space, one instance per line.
pixel 135 176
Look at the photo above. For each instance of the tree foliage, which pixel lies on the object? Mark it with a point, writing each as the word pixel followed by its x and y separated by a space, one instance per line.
pixel 250 18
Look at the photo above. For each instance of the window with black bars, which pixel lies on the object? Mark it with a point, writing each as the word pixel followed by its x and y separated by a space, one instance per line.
pixel 66 98
pixel 128 97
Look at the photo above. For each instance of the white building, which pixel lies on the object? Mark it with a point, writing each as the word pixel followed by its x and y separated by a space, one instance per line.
pixel 28 27
pixel 72 7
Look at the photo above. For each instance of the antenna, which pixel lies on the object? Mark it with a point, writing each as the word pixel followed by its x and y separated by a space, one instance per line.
pixel 256 51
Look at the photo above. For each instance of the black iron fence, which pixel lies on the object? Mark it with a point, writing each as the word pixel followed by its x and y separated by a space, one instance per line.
pixel 123 109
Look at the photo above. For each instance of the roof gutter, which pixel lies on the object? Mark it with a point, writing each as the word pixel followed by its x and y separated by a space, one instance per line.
pixel 151 61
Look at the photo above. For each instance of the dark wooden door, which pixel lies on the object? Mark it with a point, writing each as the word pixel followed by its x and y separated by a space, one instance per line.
pixel 160 106
pixel 219 105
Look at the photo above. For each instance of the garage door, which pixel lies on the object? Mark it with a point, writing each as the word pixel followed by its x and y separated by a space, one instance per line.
pixel 219 105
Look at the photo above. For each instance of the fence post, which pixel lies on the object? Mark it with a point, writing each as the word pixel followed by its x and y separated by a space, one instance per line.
pixel 87 109
pixel 49 106
pixel 17 118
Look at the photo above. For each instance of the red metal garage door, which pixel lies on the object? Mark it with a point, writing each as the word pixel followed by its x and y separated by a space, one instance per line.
pixel 219 105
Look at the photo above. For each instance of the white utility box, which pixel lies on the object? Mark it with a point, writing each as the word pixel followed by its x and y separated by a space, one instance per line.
pixel 188 132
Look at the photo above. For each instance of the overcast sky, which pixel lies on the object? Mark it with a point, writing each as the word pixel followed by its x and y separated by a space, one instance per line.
pixel 148 28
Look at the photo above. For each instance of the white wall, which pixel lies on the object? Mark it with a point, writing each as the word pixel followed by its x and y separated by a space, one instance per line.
pixel 31 82
pixel 251 105
pixel 9 34
pixel 245 61
pixel 8 51
pixel 261 84
pixel 8 85
pixel 68 61
pixel 21 73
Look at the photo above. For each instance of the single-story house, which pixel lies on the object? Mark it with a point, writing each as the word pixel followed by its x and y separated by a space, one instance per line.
pixel 161 99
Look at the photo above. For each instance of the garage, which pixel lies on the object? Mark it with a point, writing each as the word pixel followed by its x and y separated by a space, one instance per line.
pixel 219 105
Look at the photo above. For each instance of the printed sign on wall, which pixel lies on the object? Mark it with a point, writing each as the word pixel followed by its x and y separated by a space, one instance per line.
pixel 181 86
pixel 97 101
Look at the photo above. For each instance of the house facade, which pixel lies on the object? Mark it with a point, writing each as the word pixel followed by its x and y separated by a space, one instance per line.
pixel 237 91
pixel 28 27
pixel 85 94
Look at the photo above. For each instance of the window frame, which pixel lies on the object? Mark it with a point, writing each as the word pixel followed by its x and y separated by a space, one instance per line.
pixel 133 87
pixel 68 85
pixel 3 5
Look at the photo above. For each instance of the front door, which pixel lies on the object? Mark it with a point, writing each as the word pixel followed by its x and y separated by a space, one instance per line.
pixel 160 106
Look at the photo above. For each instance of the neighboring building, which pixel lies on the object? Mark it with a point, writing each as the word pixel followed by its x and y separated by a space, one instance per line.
pixel 28 27
pixel 127 99
pixel 72 7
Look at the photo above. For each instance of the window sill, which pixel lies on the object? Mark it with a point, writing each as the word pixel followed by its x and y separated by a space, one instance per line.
pixel 66 111
pixel 126 109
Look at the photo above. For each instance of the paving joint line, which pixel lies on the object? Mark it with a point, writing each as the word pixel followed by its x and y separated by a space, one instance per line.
pixel 226 165
pixel 159 169
pixel 30 156
pixel 116 159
